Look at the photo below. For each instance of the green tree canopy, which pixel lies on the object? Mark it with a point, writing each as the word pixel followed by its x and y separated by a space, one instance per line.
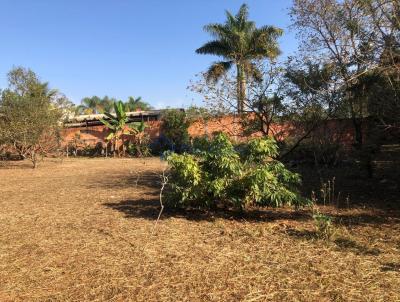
pixel 29 114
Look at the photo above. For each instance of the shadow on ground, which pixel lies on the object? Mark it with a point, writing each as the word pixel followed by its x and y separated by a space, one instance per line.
pixel 343 244
pixel 150 208
pixel 146 180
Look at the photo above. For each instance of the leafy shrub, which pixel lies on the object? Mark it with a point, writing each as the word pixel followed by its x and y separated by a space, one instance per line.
pixel 199 143
pixel 139 148
pixel 220 175
pixel 160 145
pixel 323 225
pixel 175 131
pixel 325 153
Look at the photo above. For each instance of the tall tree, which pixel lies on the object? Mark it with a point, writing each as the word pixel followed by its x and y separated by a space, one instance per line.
pixel 239 42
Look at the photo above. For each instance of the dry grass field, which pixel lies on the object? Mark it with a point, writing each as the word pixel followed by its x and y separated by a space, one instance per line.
pixel 82 230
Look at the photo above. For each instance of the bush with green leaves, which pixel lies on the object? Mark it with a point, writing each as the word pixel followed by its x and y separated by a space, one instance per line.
pixel 219 175
pixel 323 226
pixel 174 131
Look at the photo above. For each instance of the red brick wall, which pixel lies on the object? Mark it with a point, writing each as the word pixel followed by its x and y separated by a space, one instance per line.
pixel 333 130
pixel 92 135
pixel 341 130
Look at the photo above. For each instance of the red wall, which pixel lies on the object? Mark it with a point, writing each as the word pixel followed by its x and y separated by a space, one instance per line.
pixel 92 135
pixel 338 130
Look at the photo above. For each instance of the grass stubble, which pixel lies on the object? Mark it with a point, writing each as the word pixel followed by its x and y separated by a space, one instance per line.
pixel 82 230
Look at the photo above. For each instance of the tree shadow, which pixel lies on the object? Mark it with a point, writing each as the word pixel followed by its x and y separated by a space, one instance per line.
pixel 150 208
pixel 354 219
pixel 356 189
pixel 355 247
pixel 146 180
pixel 391 267
pixel 345 244
pixel 301 234
pixel 15 165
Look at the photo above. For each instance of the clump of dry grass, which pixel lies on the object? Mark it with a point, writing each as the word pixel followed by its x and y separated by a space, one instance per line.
pixel 82 230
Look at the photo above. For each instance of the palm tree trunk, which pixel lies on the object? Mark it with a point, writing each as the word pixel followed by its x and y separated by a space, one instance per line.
pixel 241 88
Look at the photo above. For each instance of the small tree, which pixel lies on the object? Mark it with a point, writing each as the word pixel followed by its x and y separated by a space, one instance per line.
pixel 140 146
pixel 220 175
pixel 174 128
pixel 29 115
pixel 117 124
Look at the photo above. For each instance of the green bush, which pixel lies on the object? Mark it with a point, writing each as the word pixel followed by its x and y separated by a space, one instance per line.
pixel 199 143
pixel 174 131
pixel 323 226
pixel 139 148
pixel 221 176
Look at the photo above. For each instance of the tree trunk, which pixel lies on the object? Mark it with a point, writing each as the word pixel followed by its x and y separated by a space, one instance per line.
pixel 357 123
pixel 34 159
pixel 241 88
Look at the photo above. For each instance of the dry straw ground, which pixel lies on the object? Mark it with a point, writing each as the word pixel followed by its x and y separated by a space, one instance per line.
pixel 81 230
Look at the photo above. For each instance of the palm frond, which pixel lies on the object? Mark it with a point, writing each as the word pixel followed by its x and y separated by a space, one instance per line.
pixel 231 21
pixel 264 42
pixel 217 70
pixel 219 31
pixel 119 110
pixel 215 47
pixel 107 124
pixel 243 13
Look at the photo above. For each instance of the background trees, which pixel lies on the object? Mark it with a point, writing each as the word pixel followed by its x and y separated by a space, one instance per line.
pixel 133 104
pixel 360 41
pixel 30 115
pixel 97 105
pixel 347 67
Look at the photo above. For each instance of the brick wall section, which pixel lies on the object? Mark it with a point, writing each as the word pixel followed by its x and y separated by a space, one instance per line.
pixel 232 126
pixel 332 130
pixel 92 135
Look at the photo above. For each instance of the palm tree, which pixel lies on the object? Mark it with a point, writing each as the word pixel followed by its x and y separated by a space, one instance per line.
pixel 89 105
pixel 239 42
pixel 106 104
pixel 133 104
pixel 95 105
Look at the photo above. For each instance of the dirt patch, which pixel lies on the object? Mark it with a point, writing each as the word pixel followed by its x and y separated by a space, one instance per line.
pixel 82 230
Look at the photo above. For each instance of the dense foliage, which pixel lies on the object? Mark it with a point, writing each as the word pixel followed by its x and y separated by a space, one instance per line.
pixel 117 124
pixel 29 115
pixel 217 174
pixel 174 132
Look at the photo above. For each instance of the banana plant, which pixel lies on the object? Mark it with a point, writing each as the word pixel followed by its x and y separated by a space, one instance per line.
pixel 117 124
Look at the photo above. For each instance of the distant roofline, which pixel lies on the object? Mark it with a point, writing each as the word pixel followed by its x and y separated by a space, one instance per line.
pixel 94 119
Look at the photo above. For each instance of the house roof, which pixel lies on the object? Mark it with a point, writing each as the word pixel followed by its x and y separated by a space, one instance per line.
pixel 94 119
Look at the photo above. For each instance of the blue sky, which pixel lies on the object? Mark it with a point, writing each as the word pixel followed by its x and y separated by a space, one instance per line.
pixel 121 47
